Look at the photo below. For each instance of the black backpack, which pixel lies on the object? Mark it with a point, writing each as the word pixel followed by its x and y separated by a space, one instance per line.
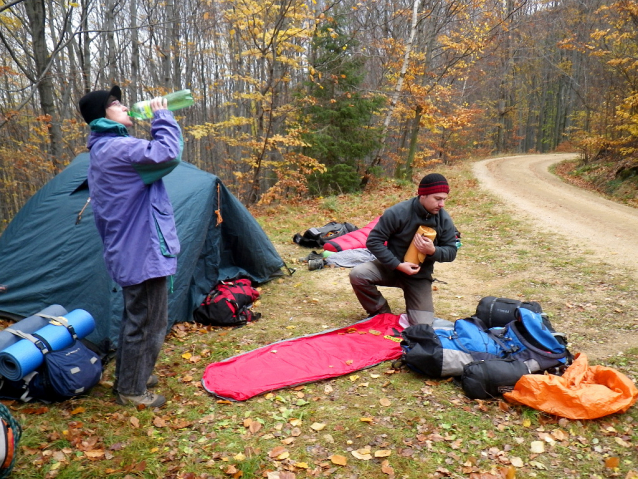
pixel 317 237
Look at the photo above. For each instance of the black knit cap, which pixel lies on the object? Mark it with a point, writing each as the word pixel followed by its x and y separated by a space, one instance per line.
pixel 93 105
pixel 433 183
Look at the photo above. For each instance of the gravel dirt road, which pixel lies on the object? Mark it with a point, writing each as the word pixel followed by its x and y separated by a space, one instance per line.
pixel 605 229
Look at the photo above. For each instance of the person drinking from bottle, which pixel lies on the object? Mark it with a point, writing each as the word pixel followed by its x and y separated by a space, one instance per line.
pixel 134 218
pixel 390 240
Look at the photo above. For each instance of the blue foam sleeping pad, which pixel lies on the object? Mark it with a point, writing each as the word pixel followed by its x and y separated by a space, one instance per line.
pixel 29 325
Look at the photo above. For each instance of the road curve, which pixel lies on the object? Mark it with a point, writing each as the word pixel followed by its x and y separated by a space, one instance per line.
pixel 609 230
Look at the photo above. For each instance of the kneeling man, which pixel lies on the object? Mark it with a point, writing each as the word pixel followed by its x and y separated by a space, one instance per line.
pixel 389 241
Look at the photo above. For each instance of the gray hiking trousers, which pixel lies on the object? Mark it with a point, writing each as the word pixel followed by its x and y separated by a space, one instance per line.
pixel 365 278
pixel 142 334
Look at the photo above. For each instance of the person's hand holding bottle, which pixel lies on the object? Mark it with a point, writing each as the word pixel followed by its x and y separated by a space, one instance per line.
pixel 158 103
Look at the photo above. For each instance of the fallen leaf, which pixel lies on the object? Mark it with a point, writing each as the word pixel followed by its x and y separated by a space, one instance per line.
pixel 537 447
pixel 386 468
pixel 254 427
pixel 537 465
pixel 559 435
pixel 327 389
pixel 186 355
pixel 135 422
pixel 349 362
pixel 366 419
pixel 159 422
pixel 612 462
pixel 276 452
pixel 288 441
pixel 516 461
pixel 338 460
pixel 510 473
pixel 240 457
pixel 318 426
pixel 383 453
pixel 359 455
pixel 385 402
pixel 621 442
pixel 94 454
pixel 296 432
pixel 295 422
pixel 354 377
pixel 77 410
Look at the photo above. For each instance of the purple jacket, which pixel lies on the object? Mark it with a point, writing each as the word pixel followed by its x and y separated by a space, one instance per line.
pixel 132 211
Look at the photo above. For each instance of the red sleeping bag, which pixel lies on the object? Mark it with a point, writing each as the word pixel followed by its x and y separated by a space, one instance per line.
pixel 305 359
pixel 353 240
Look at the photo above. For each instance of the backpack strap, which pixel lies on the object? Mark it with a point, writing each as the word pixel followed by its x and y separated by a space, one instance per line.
pixel 60 321
pixel 492 333
pixel 39 342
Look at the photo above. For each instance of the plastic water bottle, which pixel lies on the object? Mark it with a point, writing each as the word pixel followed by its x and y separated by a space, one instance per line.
pixel 176 100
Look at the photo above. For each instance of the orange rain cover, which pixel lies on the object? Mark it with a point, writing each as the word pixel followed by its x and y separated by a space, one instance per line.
pixel 582 392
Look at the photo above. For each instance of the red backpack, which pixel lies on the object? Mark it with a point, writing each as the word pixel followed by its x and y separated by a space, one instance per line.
pixel 228 304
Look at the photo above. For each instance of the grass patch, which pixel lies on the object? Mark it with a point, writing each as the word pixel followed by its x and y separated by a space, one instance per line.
pixel 424 428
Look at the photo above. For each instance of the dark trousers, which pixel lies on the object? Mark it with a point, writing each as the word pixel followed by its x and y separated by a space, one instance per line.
pixel 142 334
pixel 365 278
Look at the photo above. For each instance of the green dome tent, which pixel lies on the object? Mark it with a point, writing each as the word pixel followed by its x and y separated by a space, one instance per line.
pixel 51 252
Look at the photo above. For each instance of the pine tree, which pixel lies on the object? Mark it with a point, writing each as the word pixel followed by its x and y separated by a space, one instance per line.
pixel 339 116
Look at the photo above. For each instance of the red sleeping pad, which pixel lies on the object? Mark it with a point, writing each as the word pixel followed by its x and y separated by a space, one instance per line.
pixel 305 359
pixel 353 240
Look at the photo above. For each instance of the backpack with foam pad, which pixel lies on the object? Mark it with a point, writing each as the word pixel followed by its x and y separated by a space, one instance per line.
pixel 63 373
pixel 228 304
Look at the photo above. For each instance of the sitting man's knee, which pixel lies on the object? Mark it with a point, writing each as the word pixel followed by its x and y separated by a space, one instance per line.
pixel 357 275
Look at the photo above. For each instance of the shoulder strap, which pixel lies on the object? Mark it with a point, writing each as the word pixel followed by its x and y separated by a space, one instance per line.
pixel 60 321
pixel 40 344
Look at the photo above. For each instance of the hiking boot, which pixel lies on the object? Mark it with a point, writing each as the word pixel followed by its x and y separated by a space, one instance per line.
pixel 151 382
pixel 311 256
pixel 147 399
pixel 315 264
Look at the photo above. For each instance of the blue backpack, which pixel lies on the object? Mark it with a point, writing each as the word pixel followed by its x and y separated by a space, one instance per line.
pixel 444 351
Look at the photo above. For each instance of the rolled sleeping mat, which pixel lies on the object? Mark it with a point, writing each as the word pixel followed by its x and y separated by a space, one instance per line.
pixel 58 336
pixel 30 325
pixel 20 359
pixel 24 356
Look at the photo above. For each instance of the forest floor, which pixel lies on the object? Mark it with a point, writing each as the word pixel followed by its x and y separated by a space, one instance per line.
pixel 379 422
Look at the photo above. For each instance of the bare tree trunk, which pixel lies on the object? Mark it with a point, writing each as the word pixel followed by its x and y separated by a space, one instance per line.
pixel 135 54
pixel 397 91
pixel 35 10
pixel 85 47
